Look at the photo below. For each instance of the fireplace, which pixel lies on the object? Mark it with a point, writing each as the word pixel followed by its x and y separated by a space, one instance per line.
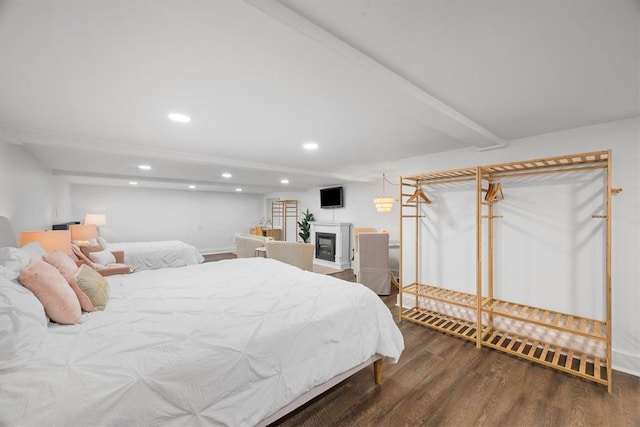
pixel 332 244
pixel 326 246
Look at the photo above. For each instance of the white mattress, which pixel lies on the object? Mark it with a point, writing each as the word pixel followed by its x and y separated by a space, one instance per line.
pixel 158 254
pixel 223 343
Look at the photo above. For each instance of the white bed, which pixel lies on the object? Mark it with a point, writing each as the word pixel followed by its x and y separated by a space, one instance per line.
pixel 223 343
pixel 157 254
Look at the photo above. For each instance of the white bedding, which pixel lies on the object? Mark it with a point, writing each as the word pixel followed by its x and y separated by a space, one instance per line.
pixel 157 254
pixel 223 343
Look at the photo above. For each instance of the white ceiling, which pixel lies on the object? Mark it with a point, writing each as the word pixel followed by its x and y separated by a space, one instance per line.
pixel 86 86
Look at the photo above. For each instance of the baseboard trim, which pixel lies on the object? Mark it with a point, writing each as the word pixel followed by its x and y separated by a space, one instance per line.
pixel 627 363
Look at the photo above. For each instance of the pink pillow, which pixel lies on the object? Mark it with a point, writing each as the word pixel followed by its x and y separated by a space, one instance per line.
pixel 81 256
pixel 67 267
pixel 63 263
pixel 59 301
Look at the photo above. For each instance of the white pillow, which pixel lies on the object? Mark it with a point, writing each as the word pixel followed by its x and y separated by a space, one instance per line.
pixel 34 250
pixel 23 323
pixel 102 257
pixel 102 242
pixel 15 259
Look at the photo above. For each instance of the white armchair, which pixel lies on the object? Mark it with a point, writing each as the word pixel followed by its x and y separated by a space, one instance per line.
pixel 298 254
pixel 372 266
pixel 246 244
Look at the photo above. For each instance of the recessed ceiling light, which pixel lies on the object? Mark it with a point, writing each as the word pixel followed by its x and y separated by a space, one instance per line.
pixel 144 167
pixel 192 187
pixel 238 189
pixel 180 118
pixel 310 145
pixel 133 183
pixel 284 181
pixel 226 175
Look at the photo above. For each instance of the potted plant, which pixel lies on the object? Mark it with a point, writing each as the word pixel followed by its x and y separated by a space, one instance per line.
pixel 305 226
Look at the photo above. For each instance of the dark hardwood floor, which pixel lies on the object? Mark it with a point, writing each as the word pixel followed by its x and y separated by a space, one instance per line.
pixel 444 381
pixel 218 257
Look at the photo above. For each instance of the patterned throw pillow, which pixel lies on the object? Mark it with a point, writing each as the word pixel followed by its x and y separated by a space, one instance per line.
pixel 68 267
pixel 93 285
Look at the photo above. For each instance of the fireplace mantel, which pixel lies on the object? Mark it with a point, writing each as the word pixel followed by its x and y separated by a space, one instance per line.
pixel 342 230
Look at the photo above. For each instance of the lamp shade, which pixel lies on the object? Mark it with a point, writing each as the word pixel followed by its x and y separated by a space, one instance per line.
pixel 383 204
pixel 97 219
pixel 83 232
pixel 50 240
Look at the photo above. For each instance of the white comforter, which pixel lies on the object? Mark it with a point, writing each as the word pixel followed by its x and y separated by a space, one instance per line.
pixel 223 343
pixel 157 254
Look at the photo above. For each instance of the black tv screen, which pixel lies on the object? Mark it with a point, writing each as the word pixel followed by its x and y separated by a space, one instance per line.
pixel 331 198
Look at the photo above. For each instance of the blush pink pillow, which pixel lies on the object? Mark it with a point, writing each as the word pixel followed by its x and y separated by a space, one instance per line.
pixel 63 262
pixel 45 281
pixel 67 267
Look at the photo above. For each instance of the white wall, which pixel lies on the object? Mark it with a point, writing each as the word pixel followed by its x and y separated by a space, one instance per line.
pixel 30 195
pixel 548 248
pixel 206 220
pixel 358 209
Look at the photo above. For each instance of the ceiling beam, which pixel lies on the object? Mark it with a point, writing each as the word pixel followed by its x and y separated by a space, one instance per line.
pixel 431 110
pixel 99 145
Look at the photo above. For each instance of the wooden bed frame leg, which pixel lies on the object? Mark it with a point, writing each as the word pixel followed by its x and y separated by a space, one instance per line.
pixel 377 371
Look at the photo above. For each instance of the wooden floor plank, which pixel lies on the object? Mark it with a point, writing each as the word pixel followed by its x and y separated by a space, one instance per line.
pixel 441 380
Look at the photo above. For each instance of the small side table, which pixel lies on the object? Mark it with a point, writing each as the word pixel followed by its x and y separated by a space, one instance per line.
pixel 261 252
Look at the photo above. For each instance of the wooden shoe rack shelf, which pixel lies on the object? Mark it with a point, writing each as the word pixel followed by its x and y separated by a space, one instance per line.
pixel 570 343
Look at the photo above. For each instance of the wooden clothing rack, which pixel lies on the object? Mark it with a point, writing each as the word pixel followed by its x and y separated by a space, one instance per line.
pixel 477 317
pixel 285 211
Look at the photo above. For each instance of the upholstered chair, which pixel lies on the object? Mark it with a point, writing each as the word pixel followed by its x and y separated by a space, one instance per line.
pixel 83 256
pixel 246 244
pixel 373 262
pixel 294 253
pixel 356 256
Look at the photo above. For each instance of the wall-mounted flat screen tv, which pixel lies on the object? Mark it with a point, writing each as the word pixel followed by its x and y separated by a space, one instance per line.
pixel 331 198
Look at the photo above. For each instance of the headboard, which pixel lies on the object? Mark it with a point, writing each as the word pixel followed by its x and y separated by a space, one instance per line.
pixel 7 237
